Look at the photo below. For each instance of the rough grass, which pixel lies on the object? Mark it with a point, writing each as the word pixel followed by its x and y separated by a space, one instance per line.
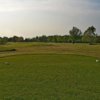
pixel 51 48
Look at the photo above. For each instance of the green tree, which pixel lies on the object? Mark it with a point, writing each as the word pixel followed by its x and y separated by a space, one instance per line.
pixel 3 40
pixel 75 34
pixel 90 35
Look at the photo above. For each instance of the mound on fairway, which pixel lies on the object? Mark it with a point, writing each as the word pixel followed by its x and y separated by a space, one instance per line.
pixel 49 77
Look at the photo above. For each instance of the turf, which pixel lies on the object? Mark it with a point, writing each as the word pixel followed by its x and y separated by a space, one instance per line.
pixel 49 77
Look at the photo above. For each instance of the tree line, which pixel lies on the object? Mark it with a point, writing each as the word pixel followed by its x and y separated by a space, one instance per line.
pixel 75 36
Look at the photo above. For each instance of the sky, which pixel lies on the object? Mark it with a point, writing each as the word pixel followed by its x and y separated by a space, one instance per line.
pixel 30 18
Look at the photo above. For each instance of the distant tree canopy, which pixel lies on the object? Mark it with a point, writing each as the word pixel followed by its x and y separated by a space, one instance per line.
pixel 16 39
pixel 75 36
pixel 3 40
pixel 90 35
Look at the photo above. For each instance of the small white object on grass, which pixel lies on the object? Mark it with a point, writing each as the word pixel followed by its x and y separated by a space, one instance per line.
pixel 97 60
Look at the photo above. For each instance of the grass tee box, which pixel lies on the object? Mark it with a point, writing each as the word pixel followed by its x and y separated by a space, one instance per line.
pixel 49 77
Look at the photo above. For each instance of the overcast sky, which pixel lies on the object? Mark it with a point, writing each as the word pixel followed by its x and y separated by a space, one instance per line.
pixel 30 18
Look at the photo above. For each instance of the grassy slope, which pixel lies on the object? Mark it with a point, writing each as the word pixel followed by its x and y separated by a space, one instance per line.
pixel 49 77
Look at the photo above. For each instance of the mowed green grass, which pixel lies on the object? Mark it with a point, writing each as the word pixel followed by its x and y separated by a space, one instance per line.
pixel 49 77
